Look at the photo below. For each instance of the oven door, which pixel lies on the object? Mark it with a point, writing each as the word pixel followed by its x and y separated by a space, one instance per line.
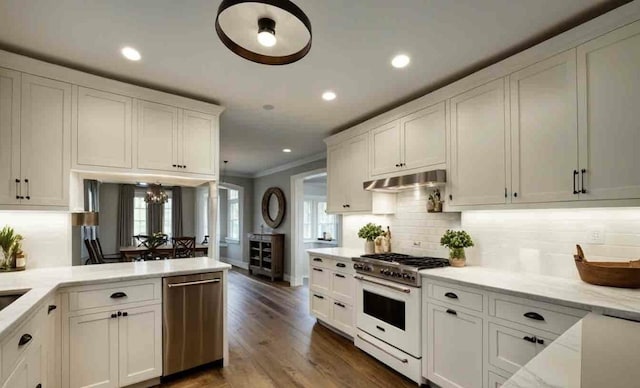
pixel 390 312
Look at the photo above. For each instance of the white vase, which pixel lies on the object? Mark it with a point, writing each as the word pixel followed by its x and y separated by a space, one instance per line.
pixel 369 247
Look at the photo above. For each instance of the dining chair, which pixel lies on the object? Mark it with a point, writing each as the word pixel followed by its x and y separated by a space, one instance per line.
pixel 97 252
pixel 142 240
pixel 205 241
pixel 184 247
pixel 110 257
pixel 92 254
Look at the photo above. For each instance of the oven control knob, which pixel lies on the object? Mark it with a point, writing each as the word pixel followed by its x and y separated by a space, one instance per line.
pixel 386 272
pixel 413 278
pixel 405 276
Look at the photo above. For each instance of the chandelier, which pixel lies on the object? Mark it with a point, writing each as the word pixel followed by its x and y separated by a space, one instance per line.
pixel 156 195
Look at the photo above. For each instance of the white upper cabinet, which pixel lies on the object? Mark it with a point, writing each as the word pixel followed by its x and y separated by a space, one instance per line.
pixel 608 114
pixel 9 136
pixel 157 136
pixel 385 148
pixel 478 165
pixel 103 134
pixel 544 130
pixel 45 123
pixel 347 170
pixel 412 142
pixel 198 143
pixel 422 136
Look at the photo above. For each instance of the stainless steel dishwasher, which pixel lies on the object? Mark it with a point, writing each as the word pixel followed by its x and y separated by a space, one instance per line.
pixel 191 321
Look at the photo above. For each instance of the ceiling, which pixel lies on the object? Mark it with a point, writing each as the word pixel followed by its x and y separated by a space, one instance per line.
pixel 353 43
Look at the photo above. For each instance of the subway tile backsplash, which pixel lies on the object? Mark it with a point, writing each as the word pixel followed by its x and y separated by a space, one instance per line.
pixel 534 241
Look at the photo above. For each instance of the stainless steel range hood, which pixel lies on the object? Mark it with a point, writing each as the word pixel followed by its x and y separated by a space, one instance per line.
pixel 433 178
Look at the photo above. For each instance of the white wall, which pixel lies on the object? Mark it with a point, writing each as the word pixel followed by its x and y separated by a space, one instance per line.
pixel 532 241
pixel 47 236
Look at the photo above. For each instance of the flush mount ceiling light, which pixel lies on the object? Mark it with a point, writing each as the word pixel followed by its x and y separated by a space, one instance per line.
pixel 286 150
pixel 328 96
pixel 271 32
pixel 131 54
pixel 400 61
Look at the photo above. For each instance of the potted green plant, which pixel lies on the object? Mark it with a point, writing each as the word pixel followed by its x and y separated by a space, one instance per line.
pixel 11 247
pixel 456 241
pixel 369 232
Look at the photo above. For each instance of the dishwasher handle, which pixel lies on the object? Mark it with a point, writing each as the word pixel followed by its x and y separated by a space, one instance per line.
pixel 195 283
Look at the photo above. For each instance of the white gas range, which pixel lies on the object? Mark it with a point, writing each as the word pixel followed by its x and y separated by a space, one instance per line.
pixel 388 309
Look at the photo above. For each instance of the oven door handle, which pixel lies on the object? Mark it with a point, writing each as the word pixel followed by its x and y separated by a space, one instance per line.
pixel 402 360
pixel 396 288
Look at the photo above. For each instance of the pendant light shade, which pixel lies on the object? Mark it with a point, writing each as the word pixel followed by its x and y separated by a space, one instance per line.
pixel 271 32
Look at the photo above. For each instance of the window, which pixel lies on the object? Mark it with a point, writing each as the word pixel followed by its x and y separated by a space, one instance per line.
pixel 316 221
pixel 233 215
pixel 140 214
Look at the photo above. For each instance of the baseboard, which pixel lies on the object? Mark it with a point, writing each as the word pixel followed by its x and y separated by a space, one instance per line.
pixel 235 263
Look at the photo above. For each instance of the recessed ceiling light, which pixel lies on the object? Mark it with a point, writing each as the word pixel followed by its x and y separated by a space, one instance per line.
pixel 131 54
pixel 268 107
pixel 287 150
pixel 400 61
pixel 328 95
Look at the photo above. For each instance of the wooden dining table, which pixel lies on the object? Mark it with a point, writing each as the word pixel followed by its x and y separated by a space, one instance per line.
pixel 133 252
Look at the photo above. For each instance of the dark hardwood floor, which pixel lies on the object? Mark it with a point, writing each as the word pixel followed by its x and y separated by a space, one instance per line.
pixel 274 342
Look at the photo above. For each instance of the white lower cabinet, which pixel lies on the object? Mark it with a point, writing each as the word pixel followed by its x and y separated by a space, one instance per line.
pixel 455 351
pixel 495 380
pixel 28 372
pixel 510 349
pixel 332 293
pixel 111 346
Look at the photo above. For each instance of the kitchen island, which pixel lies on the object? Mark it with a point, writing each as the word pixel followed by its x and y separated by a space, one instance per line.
pixel 114 309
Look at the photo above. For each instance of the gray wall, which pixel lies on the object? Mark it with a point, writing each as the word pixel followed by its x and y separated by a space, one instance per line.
pixel 283 181
pixel 233 251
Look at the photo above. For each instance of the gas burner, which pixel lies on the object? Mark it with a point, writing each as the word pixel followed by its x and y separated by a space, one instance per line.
pixel 396 267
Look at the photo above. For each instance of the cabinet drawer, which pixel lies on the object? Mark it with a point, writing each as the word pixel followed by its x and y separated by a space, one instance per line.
pixel 322 262
pixel 457 297
pixel 320 279
pixel 495 380
pixel 114 294
pixel 28 333
pixel 554 319
pixel 343 287
pixel 343 317
pixel 320 306
pixel 510 349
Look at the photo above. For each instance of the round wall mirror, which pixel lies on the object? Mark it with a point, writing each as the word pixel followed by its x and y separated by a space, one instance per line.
pixel 273 207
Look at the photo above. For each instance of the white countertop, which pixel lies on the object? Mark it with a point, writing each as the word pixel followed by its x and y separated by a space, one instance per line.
pixel 338 253
pixel 43 282
pixel 568 292
pixel 598 352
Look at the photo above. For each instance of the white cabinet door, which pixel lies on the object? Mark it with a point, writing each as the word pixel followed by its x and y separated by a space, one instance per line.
pixel 336 169
pixel 544 131
pixel 9 136
pixel 510 349
pixel 45 123
pixel 356 173
pixel 320 279
pixel 608 114
pixel 385 148
pixel 157 136
pixel 103 135
pixel 343 287
pixel 321 306
pixel 52 334
pixel 478 145
pixel 140 338
pixel 93 351
pixel 199 140
pixel 423 137
pixel 28 373
pixel 454 342
pixel 495 380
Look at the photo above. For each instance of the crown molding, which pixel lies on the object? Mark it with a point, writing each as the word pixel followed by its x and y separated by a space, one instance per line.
pixel 287 166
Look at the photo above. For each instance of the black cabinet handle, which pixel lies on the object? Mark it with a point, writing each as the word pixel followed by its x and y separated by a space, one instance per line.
pixel 318 296
pixel 341 265
pixel 397 165
pixel 184 166
pixel 339 304
pixel 174 165
pixel 114 315
pixel 347 205
pixel 125 314
pixel 534 316
pixel 451 295
pixel 317 269
pixel 575 177
pixel 25 339
pixel 450 197
pixel 583 171
pixel 380 328
pixel 28 190
pixel 340 275
pixel 505 192
pixel 317 259
pixel 540 341
pixel 39 386
pixel 452 312
pixel 18 188
pixel 51 308
pixel 530 339
pixel 118 295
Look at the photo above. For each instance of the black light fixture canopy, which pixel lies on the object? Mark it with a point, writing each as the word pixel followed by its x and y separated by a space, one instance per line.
pixel 238 23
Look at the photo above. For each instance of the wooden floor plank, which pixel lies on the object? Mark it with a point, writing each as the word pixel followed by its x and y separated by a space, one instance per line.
pixel 274 342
